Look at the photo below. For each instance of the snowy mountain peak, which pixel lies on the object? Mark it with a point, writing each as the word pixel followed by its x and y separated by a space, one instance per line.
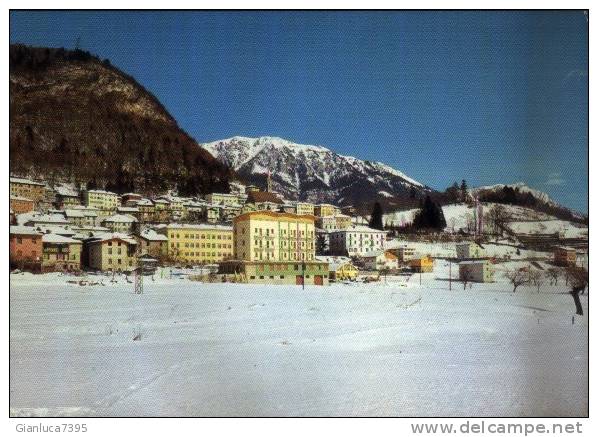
pixel 312 172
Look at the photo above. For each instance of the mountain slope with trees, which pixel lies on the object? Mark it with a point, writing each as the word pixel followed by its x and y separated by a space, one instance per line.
pixel 76 118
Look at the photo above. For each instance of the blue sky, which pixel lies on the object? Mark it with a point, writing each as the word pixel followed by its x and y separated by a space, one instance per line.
pixel 492 97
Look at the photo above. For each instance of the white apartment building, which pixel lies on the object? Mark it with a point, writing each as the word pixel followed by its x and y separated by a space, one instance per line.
pixel 356 240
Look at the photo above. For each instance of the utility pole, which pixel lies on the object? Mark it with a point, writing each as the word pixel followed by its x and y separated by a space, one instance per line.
pixel 450 274
pixel 303 271
pixel 138 279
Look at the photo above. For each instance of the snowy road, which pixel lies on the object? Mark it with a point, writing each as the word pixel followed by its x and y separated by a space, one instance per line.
pixel 238 350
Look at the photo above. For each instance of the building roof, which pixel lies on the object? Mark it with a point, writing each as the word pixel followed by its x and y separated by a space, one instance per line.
pixel 567 248
pixel 120 218
pixel 73 213
pixel 377 253
pixel 151 235
pixel 478 261
pixel 47 218
pixel 263 196
pixel 274 215
pixel 56 229
pixel 334 262
pixel 58 239
pixel 102 192
pixel 114 236
pixel 24 230
pixel 127 209
pixel 65 191
pixel 360 228
pixel 16 180
pixel 223 194
pixel 145 202
pixel 24 199
pixel 201 226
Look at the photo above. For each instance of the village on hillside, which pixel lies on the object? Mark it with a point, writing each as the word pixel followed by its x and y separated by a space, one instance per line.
pixel 253 235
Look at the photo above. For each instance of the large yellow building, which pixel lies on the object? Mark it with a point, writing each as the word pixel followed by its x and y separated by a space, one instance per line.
pixel 200 243
pixel 105 201
pixel 274 236
pixel 276 248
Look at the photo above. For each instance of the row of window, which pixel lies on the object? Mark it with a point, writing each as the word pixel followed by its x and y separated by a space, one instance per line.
pixel 205 254
pixel 282 245
pixel 119 261
pixel 293 256
pixel 31 239
pixel 272 277
pixel 204 245
pixel 282 233
pixel 204 236
pixel 283 267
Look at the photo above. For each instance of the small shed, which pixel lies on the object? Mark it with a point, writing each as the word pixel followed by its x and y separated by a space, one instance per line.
pixel 476 271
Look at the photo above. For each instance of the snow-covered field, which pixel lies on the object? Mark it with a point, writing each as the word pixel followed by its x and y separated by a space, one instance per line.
pixel 395 349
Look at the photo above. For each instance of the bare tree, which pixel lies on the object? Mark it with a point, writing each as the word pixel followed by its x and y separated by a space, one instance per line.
pixel 536 277
pixel 553 274
pixel 517 277
pixel 497 216
pixel 578 278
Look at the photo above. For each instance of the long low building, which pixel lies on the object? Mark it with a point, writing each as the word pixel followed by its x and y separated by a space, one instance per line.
pixel 199 243
pixel 287 273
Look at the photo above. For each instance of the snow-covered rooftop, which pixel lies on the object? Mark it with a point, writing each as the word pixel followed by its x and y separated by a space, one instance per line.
pixel 58 239
pixel 24 230
pixel 16 180
pixel 206 226
pixel 120 218
pixel 152 235
pixel 115 236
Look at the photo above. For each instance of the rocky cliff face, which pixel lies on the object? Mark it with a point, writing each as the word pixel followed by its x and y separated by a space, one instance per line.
pixel 76 118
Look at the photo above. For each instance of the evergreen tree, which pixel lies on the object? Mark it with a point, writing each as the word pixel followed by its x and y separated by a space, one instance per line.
pixel 453 193
pixel 322 244
pixel 376 220
pixel 430 216
pixel 463 190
